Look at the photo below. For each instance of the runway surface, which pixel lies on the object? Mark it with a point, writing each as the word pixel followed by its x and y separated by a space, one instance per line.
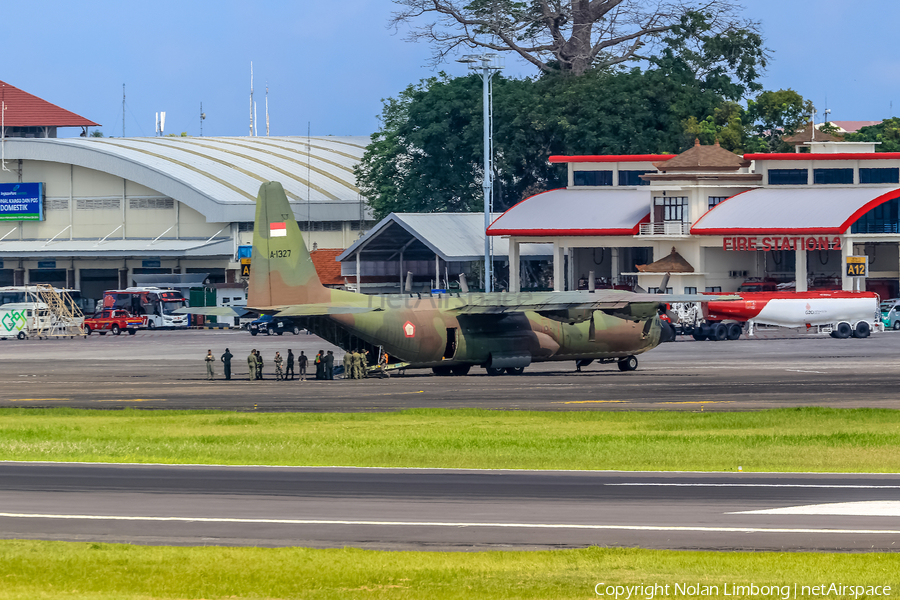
pixel 167 370
pixel 447 509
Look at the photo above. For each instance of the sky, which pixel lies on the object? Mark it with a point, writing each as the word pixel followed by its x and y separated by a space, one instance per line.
pixel 329 64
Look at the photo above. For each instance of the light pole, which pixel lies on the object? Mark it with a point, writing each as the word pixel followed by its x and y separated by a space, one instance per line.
pixel 486 65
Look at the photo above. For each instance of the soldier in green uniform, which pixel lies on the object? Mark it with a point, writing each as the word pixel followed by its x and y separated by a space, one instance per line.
pixel 354 363
pixel 251 365
pixel 360 359
pixel 348 365
pixel 279 373
pixel 210 361
pixel 364 364
pixel 226 361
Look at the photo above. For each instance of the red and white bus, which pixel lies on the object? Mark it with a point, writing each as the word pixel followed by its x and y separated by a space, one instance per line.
pixel 155 306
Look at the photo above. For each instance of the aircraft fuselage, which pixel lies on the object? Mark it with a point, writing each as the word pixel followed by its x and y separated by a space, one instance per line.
pixel 424 333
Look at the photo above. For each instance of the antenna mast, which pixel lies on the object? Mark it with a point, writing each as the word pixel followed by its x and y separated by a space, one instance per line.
pixel 3 130
pixel 202 118
pixel 251 98
pixel 267 109
pixel 123 110
pixel 308 186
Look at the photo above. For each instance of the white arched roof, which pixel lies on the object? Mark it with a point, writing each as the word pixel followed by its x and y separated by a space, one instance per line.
pixel 613 211
pixel 220 176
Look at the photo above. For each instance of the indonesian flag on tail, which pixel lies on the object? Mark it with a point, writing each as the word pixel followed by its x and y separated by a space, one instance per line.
pixel 277 230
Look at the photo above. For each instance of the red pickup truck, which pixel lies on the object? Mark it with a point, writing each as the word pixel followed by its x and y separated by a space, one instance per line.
pixel 113 320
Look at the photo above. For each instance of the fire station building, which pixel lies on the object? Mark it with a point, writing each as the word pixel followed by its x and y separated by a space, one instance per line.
pixel 714 220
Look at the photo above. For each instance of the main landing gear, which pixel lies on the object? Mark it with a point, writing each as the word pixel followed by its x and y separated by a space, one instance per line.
pixel 493 371
pixel 629 363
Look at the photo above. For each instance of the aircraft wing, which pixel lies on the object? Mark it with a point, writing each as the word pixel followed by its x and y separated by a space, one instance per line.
pixel 554 302
pixel 317 310
pixel 216 311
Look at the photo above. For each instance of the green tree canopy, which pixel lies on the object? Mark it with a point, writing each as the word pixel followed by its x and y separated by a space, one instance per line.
pixel 427 155
pixel 887 132
pixel 778 114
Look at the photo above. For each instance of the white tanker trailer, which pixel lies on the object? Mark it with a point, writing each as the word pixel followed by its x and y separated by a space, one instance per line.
pixel 842 314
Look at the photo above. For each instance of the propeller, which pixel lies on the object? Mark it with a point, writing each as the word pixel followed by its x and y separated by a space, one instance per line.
pixel 463 285
pixel 664 284
pixel 673 317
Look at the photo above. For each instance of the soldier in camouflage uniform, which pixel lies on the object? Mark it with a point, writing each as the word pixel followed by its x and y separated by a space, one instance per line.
pixel 354 364
pixel 364 364
pixel 251 365
pixel 279 373
pixel 348 365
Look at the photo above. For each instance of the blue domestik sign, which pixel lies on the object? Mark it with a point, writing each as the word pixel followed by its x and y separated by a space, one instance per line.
pixel 21 201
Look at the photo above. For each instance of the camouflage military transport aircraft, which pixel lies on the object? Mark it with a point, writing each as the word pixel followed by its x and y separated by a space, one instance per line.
pixel 450 333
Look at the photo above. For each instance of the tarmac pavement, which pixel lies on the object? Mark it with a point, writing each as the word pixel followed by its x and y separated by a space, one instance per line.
pixel 166 370
pixel 450 509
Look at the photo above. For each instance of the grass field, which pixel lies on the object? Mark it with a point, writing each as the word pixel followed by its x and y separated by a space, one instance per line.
pixel 106 571
pixel 805 439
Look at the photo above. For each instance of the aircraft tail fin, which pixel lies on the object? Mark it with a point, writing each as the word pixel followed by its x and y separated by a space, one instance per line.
pixel 281 270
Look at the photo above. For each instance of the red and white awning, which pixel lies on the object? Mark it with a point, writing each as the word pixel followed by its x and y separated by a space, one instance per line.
pixel 791 210
pixel 576 212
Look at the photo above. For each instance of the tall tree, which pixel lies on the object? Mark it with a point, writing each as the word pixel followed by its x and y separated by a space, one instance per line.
pixel 567 35
pixel 778 114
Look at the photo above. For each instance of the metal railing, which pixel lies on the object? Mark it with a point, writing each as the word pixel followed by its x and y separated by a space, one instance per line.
pixel 669 228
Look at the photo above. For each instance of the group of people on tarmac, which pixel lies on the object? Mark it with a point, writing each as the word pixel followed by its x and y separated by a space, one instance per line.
pixel 354 365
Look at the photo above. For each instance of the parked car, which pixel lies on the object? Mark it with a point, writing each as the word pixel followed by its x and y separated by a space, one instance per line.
pixel 268 324
pixel 114 321
pixel 890 313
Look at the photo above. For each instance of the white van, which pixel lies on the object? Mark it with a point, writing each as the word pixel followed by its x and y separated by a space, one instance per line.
pixel 23 319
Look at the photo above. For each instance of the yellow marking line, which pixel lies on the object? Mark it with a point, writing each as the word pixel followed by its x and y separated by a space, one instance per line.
pixel 398 393
pixel 701 402
pixel 593 402
pixel 134 400
pixel 38 400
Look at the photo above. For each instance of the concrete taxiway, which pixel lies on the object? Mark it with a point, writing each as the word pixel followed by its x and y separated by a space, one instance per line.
pixel 447 509
pixel 165 369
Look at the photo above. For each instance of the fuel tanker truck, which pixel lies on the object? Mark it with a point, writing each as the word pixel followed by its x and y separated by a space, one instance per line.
pixel 841 314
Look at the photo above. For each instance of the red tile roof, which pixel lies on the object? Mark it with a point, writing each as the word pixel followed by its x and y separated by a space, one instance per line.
pixel 704 158
pixel 327 267
pixel 853 126
pixel 804 136
pixel 26 110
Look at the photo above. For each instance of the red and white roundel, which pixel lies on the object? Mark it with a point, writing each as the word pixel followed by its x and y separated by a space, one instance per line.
pixel 409 330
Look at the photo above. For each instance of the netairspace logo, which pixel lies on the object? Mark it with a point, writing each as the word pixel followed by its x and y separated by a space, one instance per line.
pixel 785 592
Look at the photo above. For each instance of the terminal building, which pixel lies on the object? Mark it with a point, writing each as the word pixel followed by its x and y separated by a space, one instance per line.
pixel 92 213
pixel 714 220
